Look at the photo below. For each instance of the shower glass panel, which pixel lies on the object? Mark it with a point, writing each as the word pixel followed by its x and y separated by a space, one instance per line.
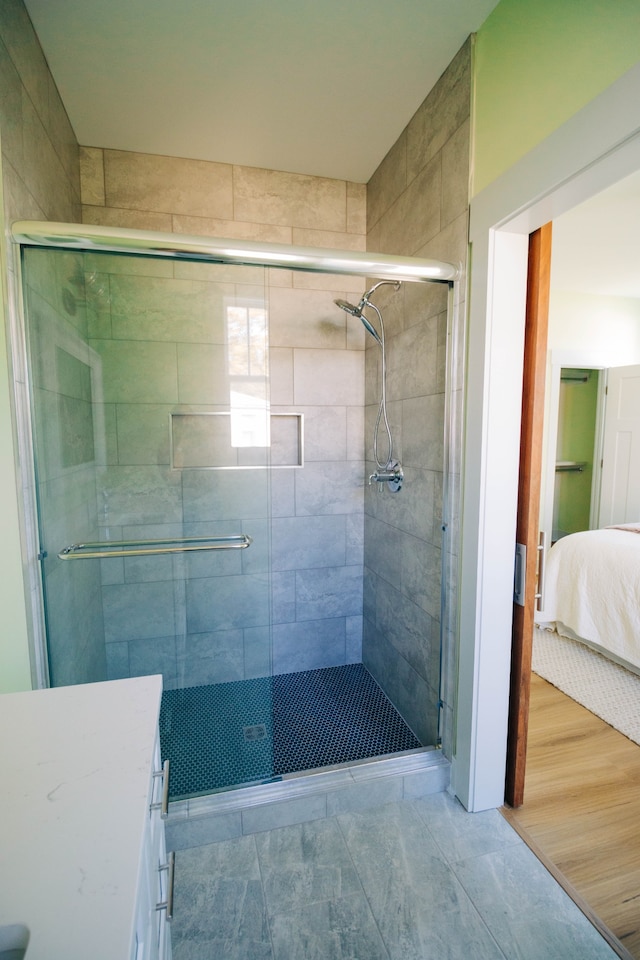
pixel 152 442
pixel 200 453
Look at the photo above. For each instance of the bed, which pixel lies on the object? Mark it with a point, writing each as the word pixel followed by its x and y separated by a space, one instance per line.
pixel 592 591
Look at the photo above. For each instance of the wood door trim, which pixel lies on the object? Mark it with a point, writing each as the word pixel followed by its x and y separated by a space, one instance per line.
pixel 527 524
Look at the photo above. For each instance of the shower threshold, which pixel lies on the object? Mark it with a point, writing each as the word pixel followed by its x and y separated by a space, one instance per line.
pixel 251 732
pixel 313 795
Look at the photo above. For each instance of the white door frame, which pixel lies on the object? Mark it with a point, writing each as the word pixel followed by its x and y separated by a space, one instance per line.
pixel 595 148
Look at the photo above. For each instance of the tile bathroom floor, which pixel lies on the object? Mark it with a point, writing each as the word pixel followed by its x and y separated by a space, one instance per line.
pixel 412 880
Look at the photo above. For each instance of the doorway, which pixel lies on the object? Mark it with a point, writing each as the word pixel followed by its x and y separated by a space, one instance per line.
pixel 596 148
pixel 587 319
pixel 563 733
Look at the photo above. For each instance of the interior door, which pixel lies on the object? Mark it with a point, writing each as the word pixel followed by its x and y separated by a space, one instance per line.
pixel 527 528
pixel 620 490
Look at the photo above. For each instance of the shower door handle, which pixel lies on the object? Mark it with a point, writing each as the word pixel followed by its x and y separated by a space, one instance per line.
pixel 139 548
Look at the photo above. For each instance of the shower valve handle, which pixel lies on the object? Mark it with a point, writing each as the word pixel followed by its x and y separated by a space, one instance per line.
pixel 381 475
pixel 392 474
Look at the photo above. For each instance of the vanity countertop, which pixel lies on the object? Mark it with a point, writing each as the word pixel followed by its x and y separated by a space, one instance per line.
pixel 75 773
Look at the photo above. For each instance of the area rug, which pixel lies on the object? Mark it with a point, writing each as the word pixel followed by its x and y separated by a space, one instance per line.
pixel 602 686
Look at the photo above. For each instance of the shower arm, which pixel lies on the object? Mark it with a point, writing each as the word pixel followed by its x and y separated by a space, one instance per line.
pixel 365 301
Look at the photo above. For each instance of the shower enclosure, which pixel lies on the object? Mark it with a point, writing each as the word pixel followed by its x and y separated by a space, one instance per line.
pixel 195 414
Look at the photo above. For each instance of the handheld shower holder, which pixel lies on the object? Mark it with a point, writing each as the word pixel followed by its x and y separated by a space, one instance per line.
pixel 391 474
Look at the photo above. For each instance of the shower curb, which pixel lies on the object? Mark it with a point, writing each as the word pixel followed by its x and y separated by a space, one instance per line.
pixel 310 796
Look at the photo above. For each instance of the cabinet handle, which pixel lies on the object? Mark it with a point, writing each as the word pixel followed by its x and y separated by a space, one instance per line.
pixel 167 904
pixel 163 806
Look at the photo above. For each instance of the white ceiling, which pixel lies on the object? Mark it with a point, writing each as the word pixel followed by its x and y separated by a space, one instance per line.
pixel 321 87
pixel 596 246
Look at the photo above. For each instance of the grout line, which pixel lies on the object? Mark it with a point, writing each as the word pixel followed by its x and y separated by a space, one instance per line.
pixel 476 909
pixel 265 906
pixel 362 887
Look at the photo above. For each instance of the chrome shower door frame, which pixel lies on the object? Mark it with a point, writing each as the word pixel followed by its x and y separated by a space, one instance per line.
pixel 76 237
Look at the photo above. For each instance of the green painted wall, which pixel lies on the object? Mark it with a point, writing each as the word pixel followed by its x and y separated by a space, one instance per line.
pixel 537 62
pixel 576 443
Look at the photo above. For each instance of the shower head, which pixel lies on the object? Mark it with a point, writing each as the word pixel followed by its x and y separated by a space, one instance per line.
pixel 348 307
pixel 357 312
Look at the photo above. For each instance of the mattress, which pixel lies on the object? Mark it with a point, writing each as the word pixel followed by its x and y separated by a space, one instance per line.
pixel 592 587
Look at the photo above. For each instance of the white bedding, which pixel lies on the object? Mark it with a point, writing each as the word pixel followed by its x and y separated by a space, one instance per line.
pixel 592 586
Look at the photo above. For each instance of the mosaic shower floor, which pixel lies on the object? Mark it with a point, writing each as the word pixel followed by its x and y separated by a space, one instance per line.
pixel 251 731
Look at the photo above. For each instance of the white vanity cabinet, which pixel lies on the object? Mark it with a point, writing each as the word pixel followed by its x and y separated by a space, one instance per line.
pixel 81 836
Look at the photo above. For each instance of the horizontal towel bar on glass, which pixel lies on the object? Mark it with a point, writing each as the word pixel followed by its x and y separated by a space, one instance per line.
pixel 138 548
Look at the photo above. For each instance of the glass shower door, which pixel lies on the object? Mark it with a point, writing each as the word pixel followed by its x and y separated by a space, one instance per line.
pixel 152 447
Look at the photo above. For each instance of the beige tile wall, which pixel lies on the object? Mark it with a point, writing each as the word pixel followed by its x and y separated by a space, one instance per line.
pixel 417 206
pixel 39 149
pixel 317 371
pixel 203 198
pixel 40 180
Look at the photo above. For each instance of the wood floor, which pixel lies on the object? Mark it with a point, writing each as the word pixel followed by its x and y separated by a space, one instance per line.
pixel 582 807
